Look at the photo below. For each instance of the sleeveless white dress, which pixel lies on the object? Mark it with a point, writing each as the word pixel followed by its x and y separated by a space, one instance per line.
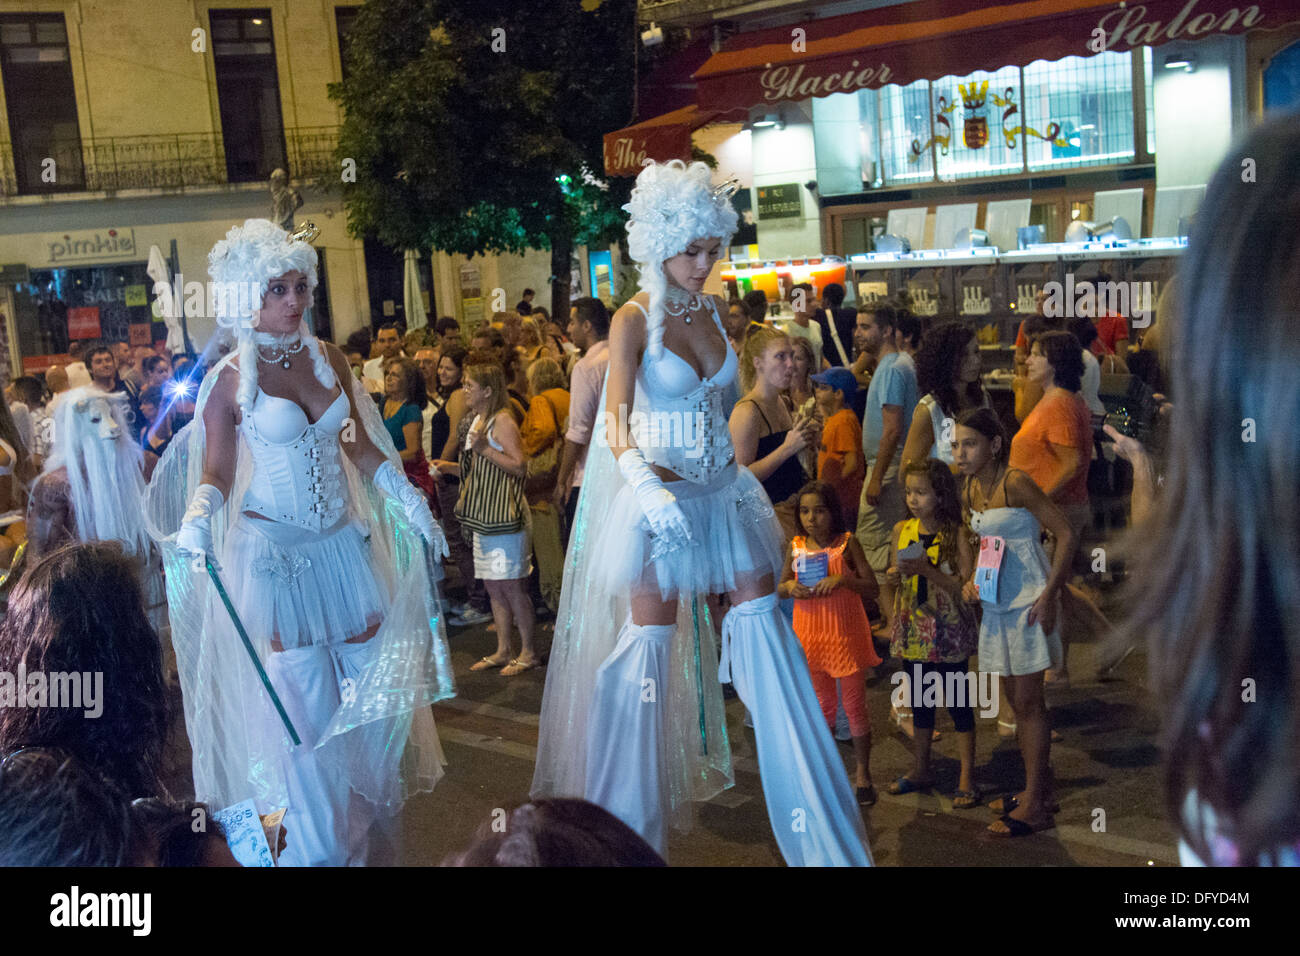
pixel 1009 644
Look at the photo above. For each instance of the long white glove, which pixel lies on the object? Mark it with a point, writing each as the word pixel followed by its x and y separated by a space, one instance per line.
pixel 195 536
pixel 390 480
pixel 666 518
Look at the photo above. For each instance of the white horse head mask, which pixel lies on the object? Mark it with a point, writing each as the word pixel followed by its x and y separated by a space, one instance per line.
pixel 92 438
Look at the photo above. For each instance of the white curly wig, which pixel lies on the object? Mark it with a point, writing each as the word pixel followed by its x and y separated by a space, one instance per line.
pixel 672 205
pixel 243 265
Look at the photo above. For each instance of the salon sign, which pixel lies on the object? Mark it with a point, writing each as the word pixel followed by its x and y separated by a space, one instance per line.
pixel 867 50
pixel 98 245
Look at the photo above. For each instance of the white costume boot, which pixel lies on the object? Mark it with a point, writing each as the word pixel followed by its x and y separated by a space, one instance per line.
pixel 363 816
pixel 814 815
pixel 316 826
pixel 626 756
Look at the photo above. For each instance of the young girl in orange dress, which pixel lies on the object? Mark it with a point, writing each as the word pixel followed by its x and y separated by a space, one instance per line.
pixel 827 575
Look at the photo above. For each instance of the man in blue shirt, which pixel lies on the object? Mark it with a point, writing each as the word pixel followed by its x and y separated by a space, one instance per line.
pixel 891 399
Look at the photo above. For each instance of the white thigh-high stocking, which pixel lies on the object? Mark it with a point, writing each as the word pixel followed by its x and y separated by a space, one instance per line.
pixel 814 815
pixel 316 826
pixel 626 752
pixel 372 836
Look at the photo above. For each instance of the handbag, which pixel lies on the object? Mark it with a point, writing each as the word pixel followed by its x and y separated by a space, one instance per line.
pixel 491 501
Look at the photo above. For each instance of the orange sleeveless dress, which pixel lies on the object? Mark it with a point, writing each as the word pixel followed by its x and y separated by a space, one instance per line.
pixel 834 630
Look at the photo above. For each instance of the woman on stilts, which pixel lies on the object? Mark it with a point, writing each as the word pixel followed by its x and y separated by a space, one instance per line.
pixel 632 716
pixel 287 484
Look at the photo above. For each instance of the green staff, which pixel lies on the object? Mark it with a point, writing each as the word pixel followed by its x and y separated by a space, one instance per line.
pixel 252 654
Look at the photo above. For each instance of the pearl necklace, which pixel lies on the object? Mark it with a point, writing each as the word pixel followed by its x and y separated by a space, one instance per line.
pixel 280 346
pixel 680 304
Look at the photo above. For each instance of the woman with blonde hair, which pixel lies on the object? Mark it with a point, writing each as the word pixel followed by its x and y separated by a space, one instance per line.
pixel 492 467
pixel 543 437
pixel 767 436
pixel 530 340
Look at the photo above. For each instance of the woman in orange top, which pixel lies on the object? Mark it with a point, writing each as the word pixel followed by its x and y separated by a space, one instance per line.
pixel 829 618
pixel 1054 447
pixel 542 435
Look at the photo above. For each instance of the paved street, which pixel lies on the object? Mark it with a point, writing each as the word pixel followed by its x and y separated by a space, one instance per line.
pixel 1108 761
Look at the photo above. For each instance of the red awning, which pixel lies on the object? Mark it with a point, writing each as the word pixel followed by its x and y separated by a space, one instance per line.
pixel 662 138
pixel 936 38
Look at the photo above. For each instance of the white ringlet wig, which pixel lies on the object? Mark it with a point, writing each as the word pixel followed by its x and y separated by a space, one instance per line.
pixel 672 205
pixel 243 265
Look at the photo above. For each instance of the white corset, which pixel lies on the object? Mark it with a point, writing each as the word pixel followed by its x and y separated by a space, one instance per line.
pixel 297 473
pixel 679 421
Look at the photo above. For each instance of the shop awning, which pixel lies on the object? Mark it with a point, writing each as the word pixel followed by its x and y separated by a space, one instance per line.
pixel 662 138
pixel 936 38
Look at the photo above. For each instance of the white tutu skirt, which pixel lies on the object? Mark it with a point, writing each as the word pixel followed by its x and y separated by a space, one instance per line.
pixel 735 536
pixel 300 586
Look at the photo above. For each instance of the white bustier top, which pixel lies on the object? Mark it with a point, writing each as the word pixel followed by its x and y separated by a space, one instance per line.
pixel 297 472
pixel 678 420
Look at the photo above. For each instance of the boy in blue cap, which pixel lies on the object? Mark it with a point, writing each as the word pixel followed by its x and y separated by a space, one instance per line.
pixel 839 460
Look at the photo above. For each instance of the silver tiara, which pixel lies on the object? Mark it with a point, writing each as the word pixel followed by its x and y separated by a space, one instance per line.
pixel 304 233
pixel 727 190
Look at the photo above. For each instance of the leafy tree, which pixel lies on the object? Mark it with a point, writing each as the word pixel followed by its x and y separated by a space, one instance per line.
pixel 475 126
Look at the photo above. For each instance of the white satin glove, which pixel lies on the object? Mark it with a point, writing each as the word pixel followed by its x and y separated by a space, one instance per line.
pixel 195 536
pixel 388 479
pixel 666 518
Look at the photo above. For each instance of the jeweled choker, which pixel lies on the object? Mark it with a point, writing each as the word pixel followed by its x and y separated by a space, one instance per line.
pixel 280 346
pixel 680 304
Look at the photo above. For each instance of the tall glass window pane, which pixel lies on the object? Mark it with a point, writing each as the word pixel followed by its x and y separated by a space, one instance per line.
pixel 904 116
pixel 873 170
pixel 976 146
pixel 1091 98
pixel 1148 71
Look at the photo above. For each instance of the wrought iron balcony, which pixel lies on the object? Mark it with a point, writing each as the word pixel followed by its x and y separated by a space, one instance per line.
pixel 32 166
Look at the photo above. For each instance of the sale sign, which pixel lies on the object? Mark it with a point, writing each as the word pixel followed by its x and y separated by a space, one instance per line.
pixel 83 322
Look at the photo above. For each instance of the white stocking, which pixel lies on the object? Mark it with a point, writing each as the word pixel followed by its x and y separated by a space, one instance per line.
pixel 316 826
pixel 815 818
pixel 626 758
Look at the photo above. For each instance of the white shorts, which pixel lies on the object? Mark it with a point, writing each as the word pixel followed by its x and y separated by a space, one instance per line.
pixel 503 557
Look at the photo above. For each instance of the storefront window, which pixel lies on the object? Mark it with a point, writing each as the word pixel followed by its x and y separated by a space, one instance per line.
pixel 904 113
pixel 108 303
pixel 1076 112
pixel 1090 101
pixel 973 107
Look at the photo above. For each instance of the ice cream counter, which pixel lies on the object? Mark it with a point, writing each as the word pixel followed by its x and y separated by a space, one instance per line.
pixel 994 290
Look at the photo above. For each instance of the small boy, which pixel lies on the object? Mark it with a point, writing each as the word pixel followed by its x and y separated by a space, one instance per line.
pixel 839 460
